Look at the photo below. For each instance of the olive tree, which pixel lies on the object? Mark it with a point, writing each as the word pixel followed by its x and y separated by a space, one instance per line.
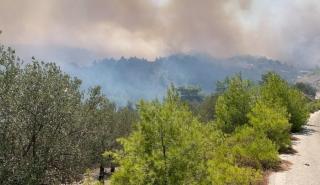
pixel 40 133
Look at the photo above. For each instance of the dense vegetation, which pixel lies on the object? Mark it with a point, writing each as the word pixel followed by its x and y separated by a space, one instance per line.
pixel 252 124
pixel 51 131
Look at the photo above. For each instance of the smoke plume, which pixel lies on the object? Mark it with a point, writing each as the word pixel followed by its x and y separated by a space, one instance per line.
pixel 287 30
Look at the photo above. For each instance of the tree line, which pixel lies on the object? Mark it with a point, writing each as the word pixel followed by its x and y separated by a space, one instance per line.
pixel 52 131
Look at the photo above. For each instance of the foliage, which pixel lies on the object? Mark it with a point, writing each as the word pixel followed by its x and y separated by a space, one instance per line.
pixel 206 109
pixel 241 157
pixel 297 107
pixel 39 110
pixel 252 148
pixel 276 91
pixel 50 133
pixel 125 118
pixel 169 146
pixel 202 106
pixel 221 173
pixel 271 121
pixel 233 105
pixel 98 126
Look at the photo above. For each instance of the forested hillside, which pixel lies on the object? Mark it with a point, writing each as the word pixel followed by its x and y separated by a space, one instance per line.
pixel 53 132
pixel 159 92
pixel 133 78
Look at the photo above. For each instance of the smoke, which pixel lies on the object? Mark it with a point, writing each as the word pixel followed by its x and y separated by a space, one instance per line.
pixel 287 30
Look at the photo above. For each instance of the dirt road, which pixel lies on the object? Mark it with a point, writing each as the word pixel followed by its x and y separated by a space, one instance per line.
pixel 305 168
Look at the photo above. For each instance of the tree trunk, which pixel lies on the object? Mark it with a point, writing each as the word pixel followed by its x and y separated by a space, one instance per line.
pixel 101 174
pixel 164 155
pixel 112 168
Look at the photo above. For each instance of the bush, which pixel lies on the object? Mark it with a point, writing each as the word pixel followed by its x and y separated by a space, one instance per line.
pixel 297 107
pixel 271 121
pixel 169 146
pixel 253 149
pixel 276 91
pixel 221 173
pixel 241 157
pixel 233 105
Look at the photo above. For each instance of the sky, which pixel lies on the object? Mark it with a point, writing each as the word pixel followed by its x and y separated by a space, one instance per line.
pixel 81 31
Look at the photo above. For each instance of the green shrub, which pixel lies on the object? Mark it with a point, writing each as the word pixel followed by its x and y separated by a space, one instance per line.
pixel 271 121
pixel 277 91
pixel 169 146
pixel 233 105
pixel 253 149
pixel 221 173
pixel 297 107
pixel 225 166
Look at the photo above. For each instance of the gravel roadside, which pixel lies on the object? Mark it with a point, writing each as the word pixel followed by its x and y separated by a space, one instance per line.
pixel 305 168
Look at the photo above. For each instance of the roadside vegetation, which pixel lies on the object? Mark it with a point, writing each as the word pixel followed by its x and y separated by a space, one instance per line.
pixel 251 125
pixel 51 132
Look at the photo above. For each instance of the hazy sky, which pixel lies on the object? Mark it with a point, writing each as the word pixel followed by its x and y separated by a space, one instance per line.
pixel 83 30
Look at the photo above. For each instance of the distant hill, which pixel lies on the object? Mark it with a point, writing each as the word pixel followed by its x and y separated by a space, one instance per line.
pixel 312 77
pixel 134 78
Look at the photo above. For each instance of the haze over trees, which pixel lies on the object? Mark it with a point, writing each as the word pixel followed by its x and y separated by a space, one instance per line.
pixel 133 78
pixel 51 131
pixel 307 89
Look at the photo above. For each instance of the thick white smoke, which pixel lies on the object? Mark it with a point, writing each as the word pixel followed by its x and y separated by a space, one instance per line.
pixel 58 29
